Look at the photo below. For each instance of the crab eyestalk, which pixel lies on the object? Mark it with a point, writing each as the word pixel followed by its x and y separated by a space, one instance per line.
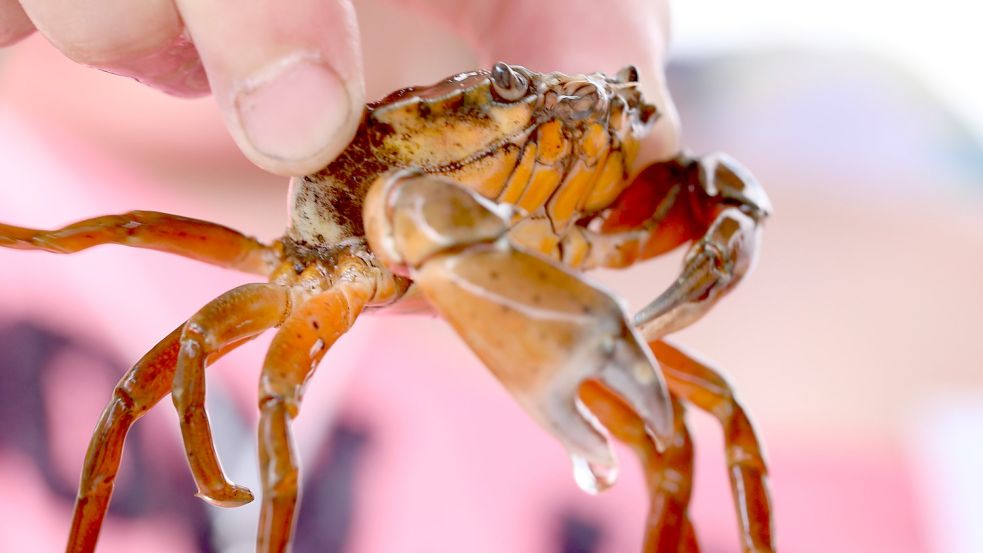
pixel 507 83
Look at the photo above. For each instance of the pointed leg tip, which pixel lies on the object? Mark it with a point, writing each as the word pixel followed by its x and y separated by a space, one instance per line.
pixel 237 496
pixel 661 441
pixel 635 377
pixel 660 428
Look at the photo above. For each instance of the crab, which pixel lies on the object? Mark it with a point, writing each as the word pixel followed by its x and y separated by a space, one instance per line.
pixel 482 198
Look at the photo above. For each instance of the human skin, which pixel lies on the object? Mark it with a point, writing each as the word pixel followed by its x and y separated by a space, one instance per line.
pixel 290 83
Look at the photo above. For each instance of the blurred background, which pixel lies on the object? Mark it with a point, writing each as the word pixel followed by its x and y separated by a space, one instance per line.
pixel 854 345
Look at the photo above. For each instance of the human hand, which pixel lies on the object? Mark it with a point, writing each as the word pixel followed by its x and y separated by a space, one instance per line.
pixel 290 82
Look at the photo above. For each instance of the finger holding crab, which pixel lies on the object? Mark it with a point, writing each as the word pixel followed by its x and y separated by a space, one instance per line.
pixel 288 79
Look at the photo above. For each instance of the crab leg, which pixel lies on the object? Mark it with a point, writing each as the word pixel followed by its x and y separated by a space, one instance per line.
pixel 137 392
pixel 704 387
pixel 232 318
pixel 293 356
pixel 200 240
pixel 539 327
pixel 687 542
pixel 669 473
pixel 710 200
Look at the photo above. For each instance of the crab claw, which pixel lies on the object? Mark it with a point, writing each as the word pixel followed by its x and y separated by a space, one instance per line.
pixel 630 374
pixel 543 331
pixel 541 328
pixel 710 269
pixel 724 200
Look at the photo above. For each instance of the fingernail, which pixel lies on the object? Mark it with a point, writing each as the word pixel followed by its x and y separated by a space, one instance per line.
pixel 296 114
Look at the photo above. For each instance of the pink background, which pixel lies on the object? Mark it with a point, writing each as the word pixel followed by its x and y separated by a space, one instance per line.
pixel 855 344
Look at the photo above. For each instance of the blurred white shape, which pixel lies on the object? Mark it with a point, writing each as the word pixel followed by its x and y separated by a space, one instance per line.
pixel 939 42
pixel 592 478
pixel 946 451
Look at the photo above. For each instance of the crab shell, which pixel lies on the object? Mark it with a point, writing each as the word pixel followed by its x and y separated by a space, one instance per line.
pixel 555 147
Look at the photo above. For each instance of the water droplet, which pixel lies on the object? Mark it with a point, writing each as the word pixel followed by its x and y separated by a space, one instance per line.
pixel 593 478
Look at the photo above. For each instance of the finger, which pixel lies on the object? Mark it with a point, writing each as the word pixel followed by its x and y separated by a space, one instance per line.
pixel 287 77
pixel 144 40
pixel 576 36
pixel 14 23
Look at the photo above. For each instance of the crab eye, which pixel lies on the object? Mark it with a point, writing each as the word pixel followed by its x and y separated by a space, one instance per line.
pixel 628 74
pixel 507 84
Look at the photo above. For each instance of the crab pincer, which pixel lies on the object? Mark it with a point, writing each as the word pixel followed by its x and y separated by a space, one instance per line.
pixel 542 329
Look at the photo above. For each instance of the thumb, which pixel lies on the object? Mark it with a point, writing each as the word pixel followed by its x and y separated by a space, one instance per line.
pixel 287 76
